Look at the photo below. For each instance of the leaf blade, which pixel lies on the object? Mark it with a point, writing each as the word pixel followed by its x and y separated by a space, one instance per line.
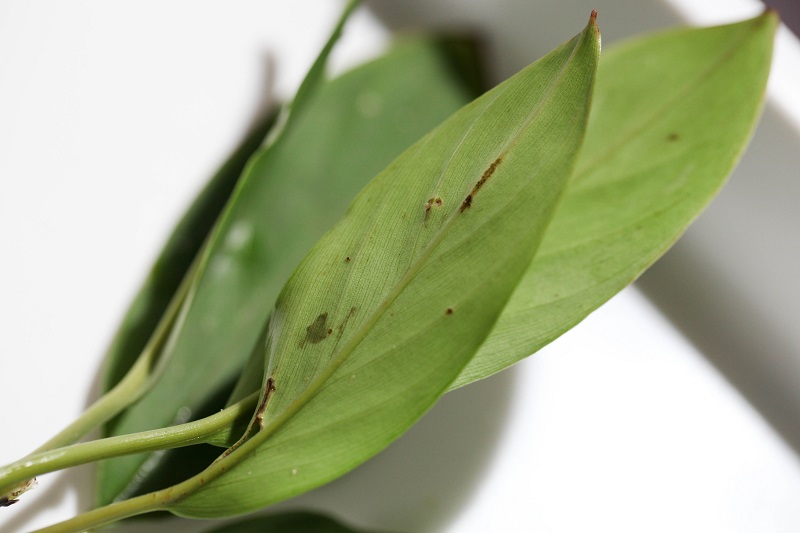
pixel 596 246
pixel 318 190
pixel 358 349
pixel 195 338
pixel 175 258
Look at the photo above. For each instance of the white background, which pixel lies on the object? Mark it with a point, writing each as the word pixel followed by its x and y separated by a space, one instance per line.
pixel 112 115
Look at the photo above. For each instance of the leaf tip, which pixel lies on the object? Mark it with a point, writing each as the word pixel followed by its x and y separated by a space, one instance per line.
pixel 770 11
pixel 593 23
pixel 768 20
pixel 772 14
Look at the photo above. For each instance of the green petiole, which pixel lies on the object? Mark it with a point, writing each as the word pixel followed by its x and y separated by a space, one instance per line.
pixel 191 433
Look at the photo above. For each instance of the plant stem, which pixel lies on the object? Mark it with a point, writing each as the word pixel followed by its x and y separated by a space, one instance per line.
pixel 147 441
pixel 135 383
pixel 111 403
pixel 154 501
pixel 161 499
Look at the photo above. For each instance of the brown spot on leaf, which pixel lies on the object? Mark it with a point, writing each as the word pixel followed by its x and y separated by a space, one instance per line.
pixel 317 331
pixel 480 183
pixel 449 311
pixel 259 419
pixel 672 137
pixel 486 175
pixel 432 201
pixel 262 409
pixel 347 259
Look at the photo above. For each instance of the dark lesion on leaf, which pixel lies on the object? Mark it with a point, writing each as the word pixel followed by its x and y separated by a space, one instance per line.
pixel 672 137
pixel 467 203
pixel 318 330
pixel 449 311
pixel 433 201
pixel 258 419
pixel 486 175
pixel 262 409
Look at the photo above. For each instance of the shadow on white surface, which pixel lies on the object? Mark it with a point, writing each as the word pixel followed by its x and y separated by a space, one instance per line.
pixel 731 283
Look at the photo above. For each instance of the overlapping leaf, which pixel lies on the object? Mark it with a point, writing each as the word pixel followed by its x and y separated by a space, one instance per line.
pixel 224 305
pixel 357 125
pixel 390 305
pixel 287 523
pixel 672 114
pixel 295 191
pixel 175 259
pixel 664 134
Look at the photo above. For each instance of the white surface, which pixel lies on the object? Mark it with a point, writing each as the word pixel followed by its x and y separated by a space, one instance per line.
pixel 113 115
pixel 637 433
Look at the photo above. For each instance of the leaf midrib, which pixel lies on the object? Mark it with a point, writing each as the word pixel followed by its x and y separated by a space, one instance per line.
pixel 244 451
pixel 304 398
pixel 413 269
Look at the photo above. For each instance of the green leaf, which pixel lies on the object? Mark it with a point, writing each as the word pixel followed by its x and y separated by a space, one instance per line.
pixel 672 114
pixel 287 523
pixel 390 305
pixel 174 261
pixel 356 125
pixel 213 334
pixel 359 123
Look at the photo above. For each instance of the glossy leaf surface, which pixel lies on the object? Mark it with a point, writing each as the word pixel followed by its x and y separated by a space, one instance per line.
pixel 290 200
pixel 390 305
pixel 671 117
